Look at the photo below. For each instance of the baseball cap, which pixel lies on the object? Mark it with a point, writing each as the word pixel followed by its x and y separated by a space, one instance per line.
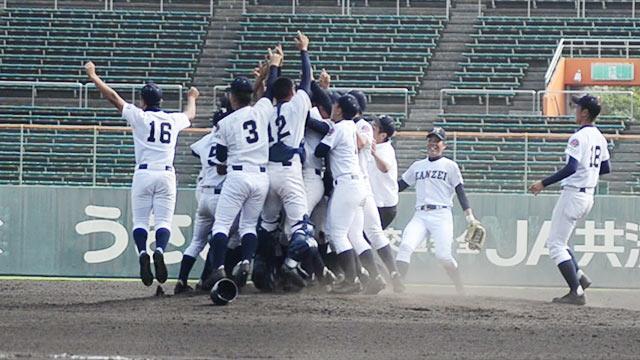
pixel 386 124
pixel 588 102
pixel 349 105
pixel 361 97
pixel 437 132
pixel 151 93
pixel 241 84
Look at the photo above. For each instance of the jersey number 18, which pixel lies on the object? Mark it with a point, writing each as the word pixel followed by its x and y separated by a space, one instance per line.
pixel 594 158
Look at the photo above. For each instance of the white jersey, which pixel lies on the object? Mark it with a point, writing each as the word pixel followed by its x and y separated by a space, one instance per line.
pixel 589 147
pixel 435 181
pixel 365 130
pixel 205 148
pixel 287 123
pixel 245 134
pixel 384 184
pixel 154 134
pixel 311 141
pixel 343 157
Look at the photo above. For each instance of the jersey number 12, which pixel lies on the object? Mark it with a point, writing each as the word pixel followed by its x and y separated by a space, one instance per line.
pixel 165 132
pixel 594 158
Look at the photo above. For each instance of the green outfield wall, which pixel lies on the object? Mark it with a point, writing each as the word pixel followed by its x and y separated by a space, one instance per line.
pixel 63 231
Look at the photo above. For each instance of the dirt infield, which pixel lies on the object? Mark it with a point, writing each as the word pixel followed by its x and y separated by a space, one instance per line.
pixel 63 319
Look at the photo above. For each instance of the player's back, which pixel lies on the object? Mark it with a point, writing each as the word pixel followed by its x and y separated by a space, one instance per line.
pixel 155 134
pixel 589 147
pixel 311 141
pixel 365 130
pixel 245 134
pixel 288 120
pixel 344 151
pixel 205 148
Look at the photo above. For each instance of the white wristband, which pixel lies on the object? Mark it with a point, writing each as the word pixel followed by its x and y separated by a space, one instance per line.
pixel 470 218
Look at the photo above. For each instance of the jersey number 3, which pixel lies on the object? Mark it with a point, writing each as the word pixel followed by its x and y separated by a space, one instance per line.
pixel 165 132
pixel 251 127
pixel 594 159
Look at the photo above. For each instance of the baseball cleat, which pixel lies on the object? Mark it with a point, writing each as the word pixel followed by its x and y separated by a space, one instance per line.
pixel 328 278
pixel 347 287
pixel 585 282
pixel 364 276
pixel 293 276
pixel 570 298
pixel 161 268
pixel 213 278
pixel 182 288
pixel 240 273
pixel 396 281
pixel 375 285
pixel 145 269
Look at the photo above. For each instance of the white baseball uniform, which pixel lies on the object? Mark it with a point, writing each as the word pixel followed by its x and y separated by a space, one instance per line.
pixel 589 147
pixel 313 166
pixel 153 189
pixel 286 187
pixel 245 134
pixel 344 215
pixel 386 184
pixel 208 190
pixel 435 183
pixel 372 224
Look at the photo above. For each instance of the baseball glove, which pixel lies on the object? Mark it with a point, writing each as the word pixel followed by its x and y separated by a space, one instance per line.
pixel 476 235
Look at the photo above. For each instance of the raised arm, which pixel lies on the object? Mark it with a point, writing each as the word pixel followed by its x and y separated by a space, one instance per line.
pixel 275 61
pixel 190 110
pixel 302 41
pixel 104 89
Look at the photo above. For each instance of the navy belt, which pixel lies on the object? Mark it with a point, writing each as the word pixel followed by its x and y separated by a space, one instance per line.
pixel 216 189
pixel 584 190
pixel 352 177
pixel 146 166
pixel 432 207
pixel 239 168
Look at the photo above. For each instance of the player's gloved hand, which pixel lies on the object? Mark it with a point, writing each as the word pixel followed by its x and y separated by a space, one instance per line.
pixel 476 233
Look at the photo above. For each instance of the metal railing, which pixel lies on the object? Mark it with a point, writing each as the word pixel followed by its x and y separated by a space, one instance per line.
pixel 580 6
pixel 346 6
pixel 34 85
pixel 82 90
pixel 487 93
pixel 571 46
pixel 108 6
pixel 368 91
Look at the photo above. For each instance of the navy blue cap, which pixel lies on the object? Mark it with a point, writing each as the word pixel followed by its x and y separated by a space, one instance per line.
pixel 437 132
pixel 349 105
pixel 588 102
pixel 386 125
pixel 361 97
pixel 241 84
pixel 151 94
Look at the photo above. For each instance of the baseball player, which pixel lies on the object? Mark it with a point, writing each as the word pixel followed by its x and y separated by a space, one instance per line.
pixel 153 189
pixel 286 154
pixel 587 159
pixel 344 216
pixel 436 180
pixel 372 223
pixel 243 143
pixel 383 169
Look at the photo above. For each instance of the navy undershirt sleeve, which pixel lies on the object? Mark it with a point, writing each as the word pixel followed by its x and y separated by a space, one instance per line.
pixel 462 197
pixel 605 167
pixel 221 153
pixel 322 150
pixel 565 172
pixel 305 82
pixel 273 75
pixel 318 126
pixel 402 185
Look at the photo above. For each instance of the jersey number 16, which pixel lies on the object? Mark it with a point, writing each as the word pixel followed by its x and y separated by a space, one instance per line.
pixel 165 132
pixel 594 158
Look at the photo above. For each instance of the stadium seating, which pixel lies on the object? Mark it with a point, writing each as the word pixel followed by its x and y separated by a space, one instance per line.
pixel 128 46
pixel 358 51
pixel 504 46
